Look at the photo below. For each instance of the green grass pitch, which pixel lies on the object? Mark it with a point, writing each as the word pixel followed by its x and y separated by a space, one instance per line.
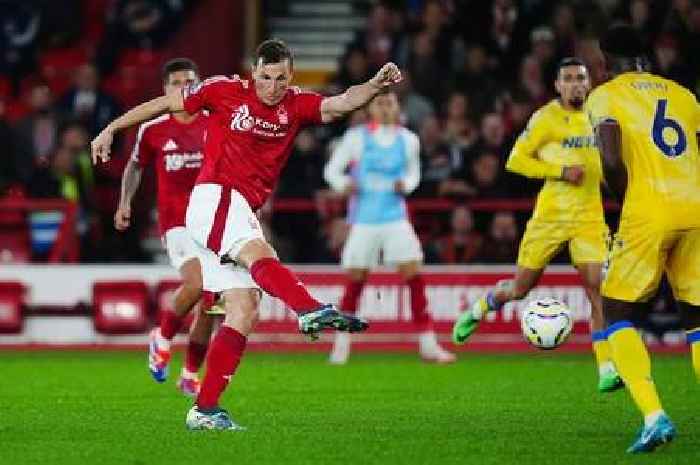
pixel 102 408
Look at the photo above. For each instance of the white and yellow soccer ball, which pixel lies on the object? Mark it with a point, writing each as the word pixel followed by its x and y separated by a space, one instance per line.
pixel 546 323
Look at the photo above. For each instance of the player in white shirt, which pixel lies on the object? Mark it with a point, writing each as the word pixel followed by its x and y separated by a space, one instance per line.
pixel 377 165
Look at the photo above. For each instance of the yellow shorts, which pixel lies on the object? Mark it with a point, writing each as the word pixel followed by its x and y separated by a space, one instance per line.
pixel 588 242
pixel 640 254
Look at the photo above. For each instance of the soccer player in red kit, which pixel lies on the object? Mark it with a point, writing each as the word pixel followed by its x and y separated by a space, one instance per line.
pixel 250 135
pixel 173 143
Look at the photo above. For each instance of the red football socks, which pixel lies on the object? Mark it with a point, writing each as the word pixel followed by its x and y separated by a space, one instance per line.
pixel 419 303
pixel 353 291
pixel 194 357
pixel 170 324
pixel 280 282
pixel 223 359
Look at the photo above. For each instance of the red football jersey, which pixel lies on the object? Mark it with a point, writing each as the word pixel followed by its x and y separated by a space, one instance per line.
pixel 177 149
pixel 248 142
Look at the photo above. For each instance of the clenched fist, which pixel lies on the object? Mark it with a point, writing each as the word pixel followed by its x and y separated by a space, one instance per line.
pixel 388 75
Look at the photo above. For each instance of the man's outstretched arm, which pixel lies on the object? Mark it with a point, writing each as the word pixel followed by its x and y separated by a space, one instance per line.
pixel 102 144
pixel 131 179
pixel 357 96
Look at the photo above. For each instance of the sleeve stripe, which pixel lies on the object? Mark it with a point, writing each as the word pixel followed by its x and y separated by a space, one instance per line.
pixel 139 135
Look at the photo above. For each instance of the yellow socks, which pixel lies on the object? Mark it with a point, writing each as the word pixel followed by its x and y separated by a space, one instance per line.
pixel 601 350
pixel 694 341
pixel 632 362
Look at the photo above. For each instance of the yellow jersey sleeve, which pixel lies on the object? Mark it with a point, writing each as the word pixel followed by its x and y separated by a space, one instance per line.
pixel 524 158
pixel 598 108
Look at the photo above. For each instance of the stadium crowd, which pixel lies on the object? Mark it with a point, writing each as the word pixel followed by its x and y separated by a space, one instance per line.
pixel 474 72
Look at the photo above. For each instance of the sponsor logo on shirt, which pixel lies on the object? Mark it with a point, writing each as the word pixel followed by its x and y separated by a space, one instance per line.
pixel 242 120
pixel 186 160
pixel 578 142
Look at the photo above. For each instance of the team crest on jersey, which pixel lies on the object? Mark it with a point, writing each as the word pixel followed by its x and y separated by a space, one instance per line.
pixel 282 115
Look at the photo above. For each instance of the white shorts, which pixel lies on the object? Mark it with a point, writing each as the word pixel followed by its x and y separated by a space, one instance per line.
pixel 180 246
pixel 221 222
pixel 397 242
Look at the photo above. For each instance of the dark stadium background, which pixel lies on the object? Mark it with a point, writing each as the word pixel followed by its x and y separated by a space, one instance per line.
pixel 475 72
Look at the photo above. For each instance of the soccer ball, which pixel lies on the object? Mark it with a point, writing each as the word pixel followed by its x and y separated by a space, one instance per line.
pixel 546 323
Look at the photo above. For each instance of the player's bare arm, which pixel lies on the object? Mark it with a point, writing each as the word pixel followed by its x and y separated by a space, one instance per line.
pixel 131 179
pixel 357 96
pixel 102 144
pixel 609 139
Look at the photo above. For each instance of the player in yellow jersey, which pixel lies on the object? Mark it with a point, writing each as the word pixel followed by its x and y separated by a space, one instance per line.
pixel 558 146
pixel 646 126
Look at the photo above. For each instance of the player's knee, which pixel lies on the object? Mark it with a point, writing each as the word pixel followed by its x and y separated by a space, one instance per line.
pixel 409 270
pixel 254 250
pixel 193 288
pixel 242 309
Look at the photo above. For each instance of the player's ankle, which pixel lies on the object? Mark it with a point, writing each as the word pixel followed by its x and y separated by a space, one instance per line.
pixel 492 302
pixel 651 418
pixel 163 343
pixel 208 409
pixel 187 374
pixel 606 368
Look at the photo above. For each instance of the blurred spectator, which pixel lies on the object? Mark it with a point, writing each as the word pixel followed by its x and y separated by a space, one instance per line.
pixel 504 36
pixel 462 243
pixel 60 178
pixel 61 23
pixel 486 176
pixel 501 242
pixel 414 106
pixel 438 164
pixel 543 50
pixel 19 30
pixel 145 24
pixel 37 132
pixel 9 174
pixel 564 29
pixel 380 37
pixel 87 102
pixel 459 131
pixel 531 80
pixel 354 69
pixel 303 174
pixel 492 137
pixel 669 63
pixel 425 67
pixel 436 23
pixel 475 80
pixel 75 138
pixel 518 111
